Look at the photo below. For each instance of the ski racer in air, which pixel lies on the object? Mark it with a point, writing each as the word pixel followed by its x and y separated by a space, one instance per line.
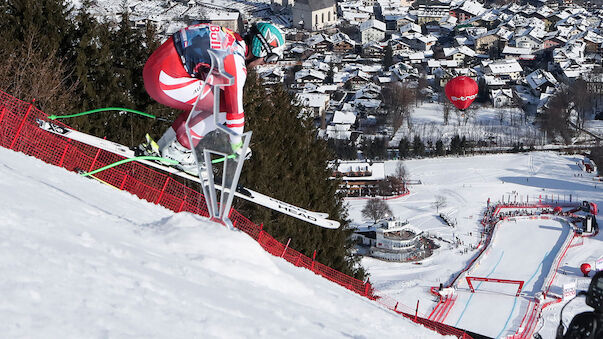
pixel 175 73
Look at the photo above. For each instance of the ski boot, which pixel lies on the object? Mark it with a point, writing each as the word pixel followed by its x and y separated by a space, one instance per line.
pixel 184 156
pixel 148 148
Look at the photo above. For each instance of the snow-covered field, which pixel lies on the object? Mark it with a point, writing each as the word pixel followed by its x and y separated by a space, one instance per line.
pixel 82 260
pixel 499 126
pixel 467 183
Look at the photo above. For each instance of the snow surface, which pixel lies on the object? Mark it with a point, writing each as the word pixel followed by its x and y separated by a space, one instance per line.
pixel 467 183
pixel 82 260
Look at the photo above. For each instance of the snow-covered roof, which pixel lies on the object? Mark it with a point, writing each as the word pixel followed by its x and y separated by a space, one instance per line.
pixel 540 77
pixel 344 117
pixel 317 38
pixel 342 37
pixel 373 23
pixel 313 99
pixel 433 63
pixel 516 50
pixel 410 27
pixel 310 72
pixel 462 49
pixel 473 7
pixel 504 67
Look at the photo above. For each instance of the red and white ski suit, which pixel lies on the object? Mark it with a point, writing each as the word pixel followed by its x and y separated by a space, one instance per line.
pixel 174 75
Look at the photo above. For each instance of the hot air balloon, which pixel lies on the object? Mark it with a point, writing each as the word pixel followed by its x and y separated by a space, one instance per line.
pixel 461 91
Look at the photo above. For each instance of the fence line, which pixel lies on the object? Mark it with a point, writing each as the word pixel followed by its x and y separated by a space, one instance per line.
pixel 19 132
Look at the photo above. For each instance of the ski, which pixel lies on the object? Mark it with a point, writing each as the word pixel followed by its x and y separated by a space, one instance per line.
pixel 316 218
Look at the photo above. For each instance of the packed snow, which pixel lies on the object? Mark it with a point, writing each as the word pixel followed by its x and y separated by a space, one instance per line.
pixel 466 183
pixel 82 260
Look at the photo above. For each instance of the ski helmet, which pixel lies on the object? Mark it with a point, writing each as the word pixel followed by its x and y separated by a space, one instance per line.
pixel 268 41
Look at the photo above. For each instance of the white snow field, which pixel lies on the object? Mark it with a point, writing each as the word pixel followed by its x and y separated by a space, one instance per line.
pixel 467 183
pixel 79 259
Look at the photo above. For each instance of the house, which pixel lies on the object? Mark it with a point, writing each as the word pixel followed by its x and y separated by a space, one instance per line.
pixel 508 70
pixel 539 80
pixel 372 31
pixel 468 10
pixel 373 50
pixel 459 54
pixel 432 12
pixel 342 43
pixel 399 47
pixel 517 53
pixel 316 104
pixel 319 42
pixel 552 40
pixel 314 15
pixel 418 41
pixel 501 97
pixel 370 91
pixel 488 40
pixel 358 79
pixel 528 41
pixel 309 76
pixel 272 76
pixel 394 240
pixel 594 43
pixel 410 28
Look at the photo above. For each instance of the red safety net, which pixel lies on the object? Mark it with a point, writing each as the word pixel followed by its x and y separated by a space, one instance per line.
pixel 20 132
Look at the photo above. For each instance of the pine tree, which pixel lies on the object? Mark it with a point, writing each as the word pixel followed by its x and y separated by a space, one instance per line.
pixel 291 163
pixel 48 20
pixel 404 148
pixel 440 151
pixel 418 148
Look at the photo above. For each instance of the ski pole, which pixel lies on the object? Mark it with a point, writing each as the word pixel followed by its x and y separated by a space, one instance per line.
pixel 54 117
pixel 166 160
pixel 169 161
pixel 215 161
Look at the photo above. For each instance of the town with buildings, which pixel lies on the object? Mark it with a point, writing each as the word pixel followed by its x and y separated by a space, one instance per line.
pixel 343 56
pixel 360 67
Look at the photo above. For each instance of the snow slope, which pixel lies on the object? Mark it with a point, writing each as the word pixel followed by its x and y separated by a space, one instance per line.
pixel 83 260
pixel 467 183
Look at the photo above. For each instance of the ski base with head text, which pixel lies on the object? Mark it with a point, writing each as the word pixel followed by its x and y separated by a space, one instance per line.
pixel 315 218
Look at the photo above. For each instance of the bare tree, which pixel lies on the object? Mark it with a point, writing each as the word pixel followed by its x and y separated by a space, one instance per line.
pixel 26 73
pixel 401 172
pixel 440 201
pixel 446 108
pixel 583 99
pixel 557 114
pixel 422 85
pixel 398 98
pixel 376 209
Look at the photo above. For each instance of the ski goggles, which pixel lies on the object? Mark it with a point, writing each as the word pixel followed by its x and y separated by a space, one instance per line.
pixel 270 56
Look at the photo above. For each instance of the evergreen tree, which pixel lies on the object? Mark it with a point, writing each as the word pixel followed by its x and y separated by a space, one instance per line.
pixel 404 148
pixel 418 147
pixel 291 163
pixel 375 148
pixel 388 58
pixel 455 144
pixel 440 151
pixel 343 149
pixel 48 20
